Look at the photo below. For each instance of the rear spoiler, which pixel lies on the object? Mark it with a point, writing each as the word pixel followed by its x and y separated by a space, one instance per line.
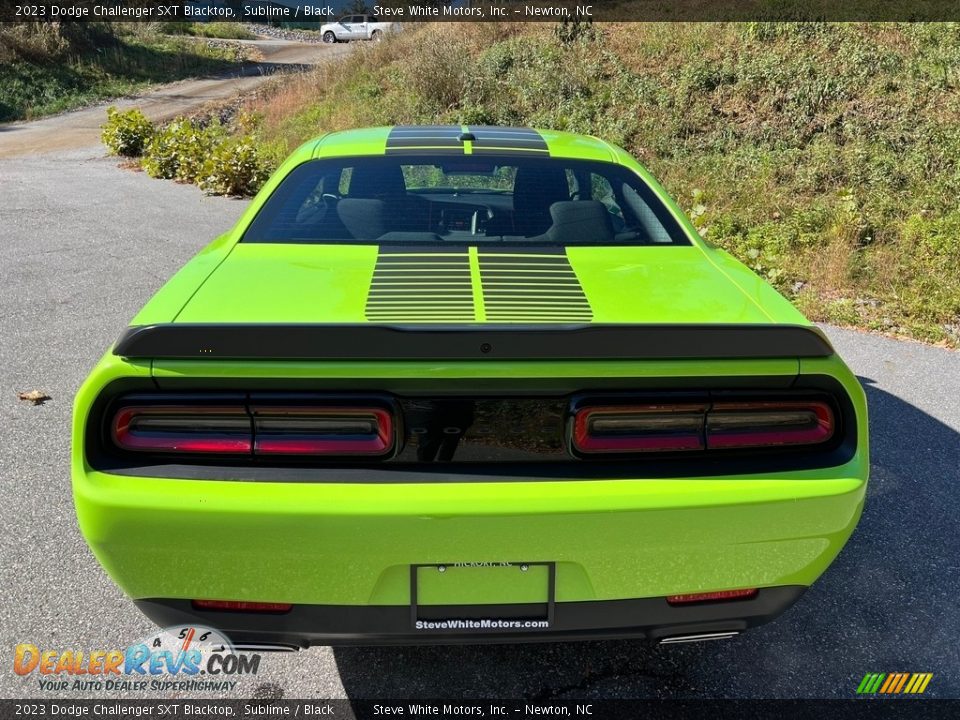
pixel 195 341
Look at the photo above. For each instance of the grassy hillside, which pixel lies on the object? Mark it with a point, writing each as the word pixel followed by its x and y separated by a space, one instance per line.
pixel 229 30
pixel 47 68
pixel 827 157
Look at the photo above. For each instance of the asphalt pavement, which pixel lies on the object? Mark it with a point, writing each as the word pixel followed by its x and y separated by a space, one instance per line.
pixel 83 244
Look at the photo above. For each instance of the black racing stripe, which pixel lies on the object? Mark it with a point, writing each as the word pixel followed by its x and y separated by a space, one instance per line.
pixel 421 287
pixel 421 141
pixel 509 152
pixel 421 151
pixel 446 140
pixel 401 138
pixel 403 256
pixel 528 287
pixel 493 139
pixel 510 253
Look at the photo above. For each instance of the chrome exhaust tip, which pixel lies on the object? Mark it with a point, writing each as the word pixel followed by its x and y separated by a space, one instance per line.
pixel 702 637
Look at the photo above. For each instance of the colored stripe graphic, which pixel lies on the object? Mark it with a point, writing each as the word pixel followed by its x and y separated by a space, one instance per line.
pixel 470 285
pixel 446 140
pixel 894 683
pixel 918 683
pixel 522 288
pixel 507 140
pixel 421 287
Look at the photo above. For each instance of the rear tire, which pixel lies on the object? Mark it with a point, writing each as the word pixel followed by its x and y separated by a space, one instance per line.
pixel 376 36
pixel 329 37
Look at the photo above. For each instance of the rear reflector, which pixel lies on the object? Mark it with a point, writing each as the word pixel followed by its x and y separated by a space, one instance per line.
pixel 639 428
pixel 338 431
pixel 183 429
pixel 719 596
pixel 700 426
pixel 241 606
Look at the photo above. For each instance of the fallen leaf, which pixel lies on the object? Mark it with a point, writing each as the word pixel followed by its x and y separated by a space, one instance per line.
pixel 37 397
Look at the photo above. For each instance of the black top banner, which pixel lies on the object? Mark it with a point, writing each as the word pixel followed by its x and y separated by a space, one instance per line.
pixel 395 11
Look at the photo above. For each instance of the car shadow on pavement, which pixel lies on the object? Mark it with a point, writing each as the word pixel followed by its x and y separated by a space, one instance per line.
pixel 886 604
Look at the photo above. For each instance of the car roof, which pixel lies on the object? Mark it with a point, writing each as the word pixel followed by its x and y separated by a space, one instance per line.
pixel 455 139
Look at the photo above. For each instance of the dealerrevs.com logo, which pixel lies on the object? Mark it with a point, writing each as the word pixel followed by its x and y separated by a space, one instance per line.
pixel 175 659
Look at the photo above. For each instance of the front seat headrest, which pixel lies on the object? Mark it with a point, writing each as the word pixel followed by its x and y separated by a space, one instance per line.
pixel 376 180
pixel 580 221
pixel 535 189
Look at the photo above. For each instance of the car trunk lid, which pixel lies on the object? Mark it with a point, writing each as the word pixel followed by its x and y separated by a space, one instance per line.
pixel 295 284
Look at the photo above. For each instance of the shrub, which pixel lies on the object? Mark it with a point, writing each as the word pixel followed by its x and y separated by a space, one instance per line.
pixel 126 132
pixel 235 167
pixel 180 149
pixel 570 31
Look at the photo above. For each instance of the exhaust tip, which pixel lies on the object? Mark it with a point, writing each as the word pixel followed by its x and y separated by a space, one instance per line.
pixel 701 637
pixel 266 647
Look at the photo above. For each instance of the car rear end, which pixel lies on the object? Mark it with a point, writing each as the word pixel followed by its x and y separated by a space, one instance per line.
pixel 413 501
pixel 467 385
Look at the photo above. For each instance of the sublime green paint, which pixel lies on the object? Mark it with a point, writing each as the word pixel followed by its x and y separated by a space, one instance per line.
pixel 267 282
pixel 353 543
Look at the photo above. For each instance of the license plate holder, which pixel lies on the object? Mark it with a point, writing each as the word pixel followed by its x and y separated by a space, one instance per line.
pixel 524 601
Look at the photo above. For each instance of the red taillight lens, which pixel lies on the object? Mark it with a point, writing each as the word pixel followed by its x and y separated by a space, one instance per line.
pixel 638 428
pixel 254 430
pixel 719 596
pixel 328 431
pixel 768 424
pixel 677 427
pixel 183 429
pixel 241 606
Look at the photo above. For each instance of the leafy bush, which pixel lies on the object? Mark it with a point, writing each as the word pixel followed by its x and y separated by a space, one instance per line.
pixel 180 149
pixel 126 132
pixel 235 167
pixel 570 31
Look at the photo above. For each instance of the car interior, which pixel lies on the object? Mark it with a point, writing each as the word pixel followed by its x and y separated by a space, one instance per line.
pixel 401 201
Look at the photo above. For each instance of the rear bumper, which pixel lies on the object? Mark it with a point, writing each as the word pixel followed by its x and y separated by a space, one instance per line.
pixel 354 544
pixel 644 618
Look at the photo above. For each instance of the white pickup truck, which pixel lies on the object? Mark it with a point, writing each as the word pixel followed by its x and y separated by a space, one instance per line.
pixel 355 27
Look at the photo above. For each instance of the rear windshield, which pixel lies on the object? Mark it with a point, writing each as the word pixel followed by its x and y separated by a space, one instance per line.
pixel 468 200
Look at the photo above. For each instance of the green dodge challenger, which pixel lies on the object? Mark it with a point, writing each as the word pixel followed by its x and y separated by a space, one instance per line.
pixel 467 384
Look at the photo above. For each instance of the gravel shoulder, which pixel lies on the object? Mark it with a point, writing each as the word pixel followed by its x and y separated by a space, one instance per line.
pixel 81 128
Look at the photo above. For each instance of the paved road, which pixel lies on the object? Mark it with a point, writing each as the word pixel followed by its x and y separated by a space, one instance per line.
pixel 81 128
pixel 84 244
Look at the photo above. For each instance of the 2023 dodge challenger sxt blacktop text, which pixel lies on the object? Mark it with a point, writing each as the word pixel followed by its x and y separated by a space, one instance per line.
pixel 465 384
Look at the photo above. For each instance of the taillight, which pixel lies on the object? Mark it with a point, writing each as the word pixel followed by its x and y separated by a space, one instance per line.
pixel 719 596
pixel 639 428
pixel 328 431
pixel 680 427
pixel 183 429
pixel 272 428
pixel 769 424
pixel 242 606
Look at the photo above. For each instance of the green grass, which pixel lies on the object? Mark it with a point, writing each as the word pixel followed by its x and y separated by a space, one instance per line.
pixel 43 71
pixel 825 156
pixel 224 30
